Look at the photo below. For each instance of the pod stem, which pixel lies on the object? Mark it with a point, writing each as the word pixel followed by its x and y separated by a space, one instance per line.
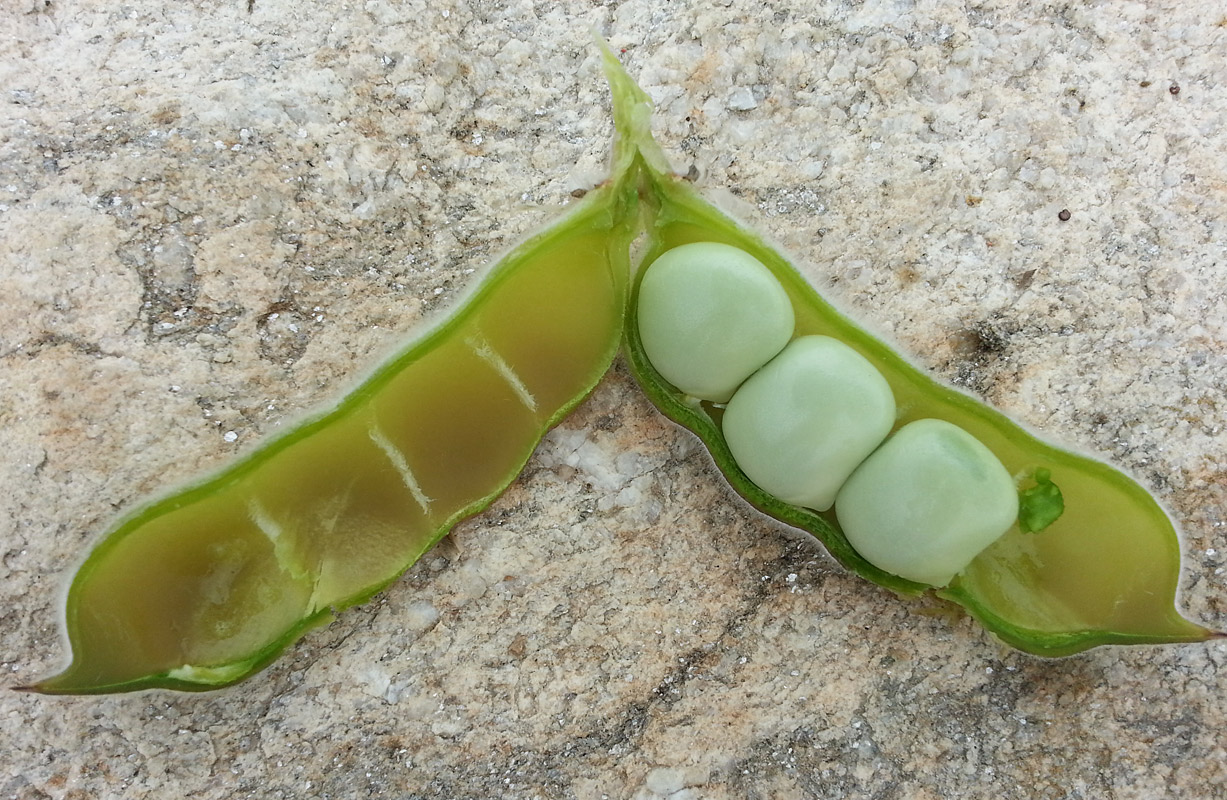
pixel 632 113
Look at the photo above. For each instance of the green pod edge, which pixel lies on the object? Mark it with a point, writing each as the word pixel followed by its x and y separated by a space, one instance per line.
pixel 607 213
pixel 1013 588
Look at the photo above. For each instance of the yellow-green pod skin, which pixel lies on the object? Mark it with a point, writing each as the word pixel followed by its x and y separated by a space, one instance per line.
pixel 1105 572
pixel 205 587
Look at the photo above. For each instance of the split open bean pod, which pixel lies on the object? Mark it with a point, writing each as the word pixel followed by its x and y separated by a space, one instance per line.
pixel 205 587
pixel 1105 571
pixel 826 428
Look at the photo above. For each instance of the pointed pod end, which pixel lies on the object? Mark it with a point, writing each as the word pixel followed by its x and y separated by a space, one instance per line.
pixel 632 111
pixel 1195 632
pixel 72 682
pixel 606 51
pixel 615 73
pixel 50 688
pixel 84 677
pixel 62 683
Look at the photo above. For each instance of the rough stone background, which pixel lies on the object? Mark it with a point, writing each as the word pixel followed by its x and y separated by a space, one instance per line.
pixel 216 216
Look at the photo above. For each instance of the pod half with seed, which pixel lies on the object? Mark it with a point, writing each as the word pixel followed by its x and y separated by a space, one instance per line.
pixel 1103 572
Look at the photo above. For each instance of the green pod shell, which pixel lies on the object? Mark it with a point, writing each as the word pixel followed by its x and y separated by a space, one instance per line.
pixel 1105 572
pixel 205 587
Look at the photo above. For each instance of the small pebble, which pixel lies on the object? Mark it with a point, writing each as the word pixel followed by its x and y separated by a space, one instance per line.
pixel 742 99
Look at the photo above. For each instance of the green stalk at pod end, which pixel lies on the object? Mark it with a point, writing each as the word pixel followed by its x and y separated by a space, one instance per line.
pixel 632 113
pixel 1094 562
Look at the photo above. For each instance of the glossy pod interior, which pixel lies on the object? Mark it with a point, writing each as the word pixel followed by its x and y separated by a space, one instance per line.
pixel 205 587
pixel 1105 572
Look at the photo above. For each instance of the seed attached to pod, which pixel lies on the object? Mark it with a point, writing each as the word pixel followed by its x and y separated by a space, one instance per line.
pixel 801 424
pixel 927 502
pixel 709 316
pixel 1097 561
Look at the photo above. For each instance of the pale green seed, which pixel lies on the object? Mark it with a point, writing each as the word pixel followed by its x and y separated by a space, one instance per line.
pixel 926 502
pixel 709 316
pixel 801 424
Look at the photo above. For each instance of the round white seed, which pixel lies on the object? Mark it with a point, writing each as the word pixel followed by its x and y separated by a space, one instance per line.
pixel 800 425
pixel 926 502
pixel 709 316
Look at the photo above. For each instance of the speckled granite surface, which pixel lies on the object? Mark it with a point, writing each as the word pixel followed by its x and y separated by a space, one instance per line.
pixel 214 217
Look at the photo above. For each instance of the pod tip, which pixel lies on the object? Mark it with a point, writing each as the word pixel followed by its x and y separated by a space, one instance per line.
pixel 632 111
pixel 47 686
